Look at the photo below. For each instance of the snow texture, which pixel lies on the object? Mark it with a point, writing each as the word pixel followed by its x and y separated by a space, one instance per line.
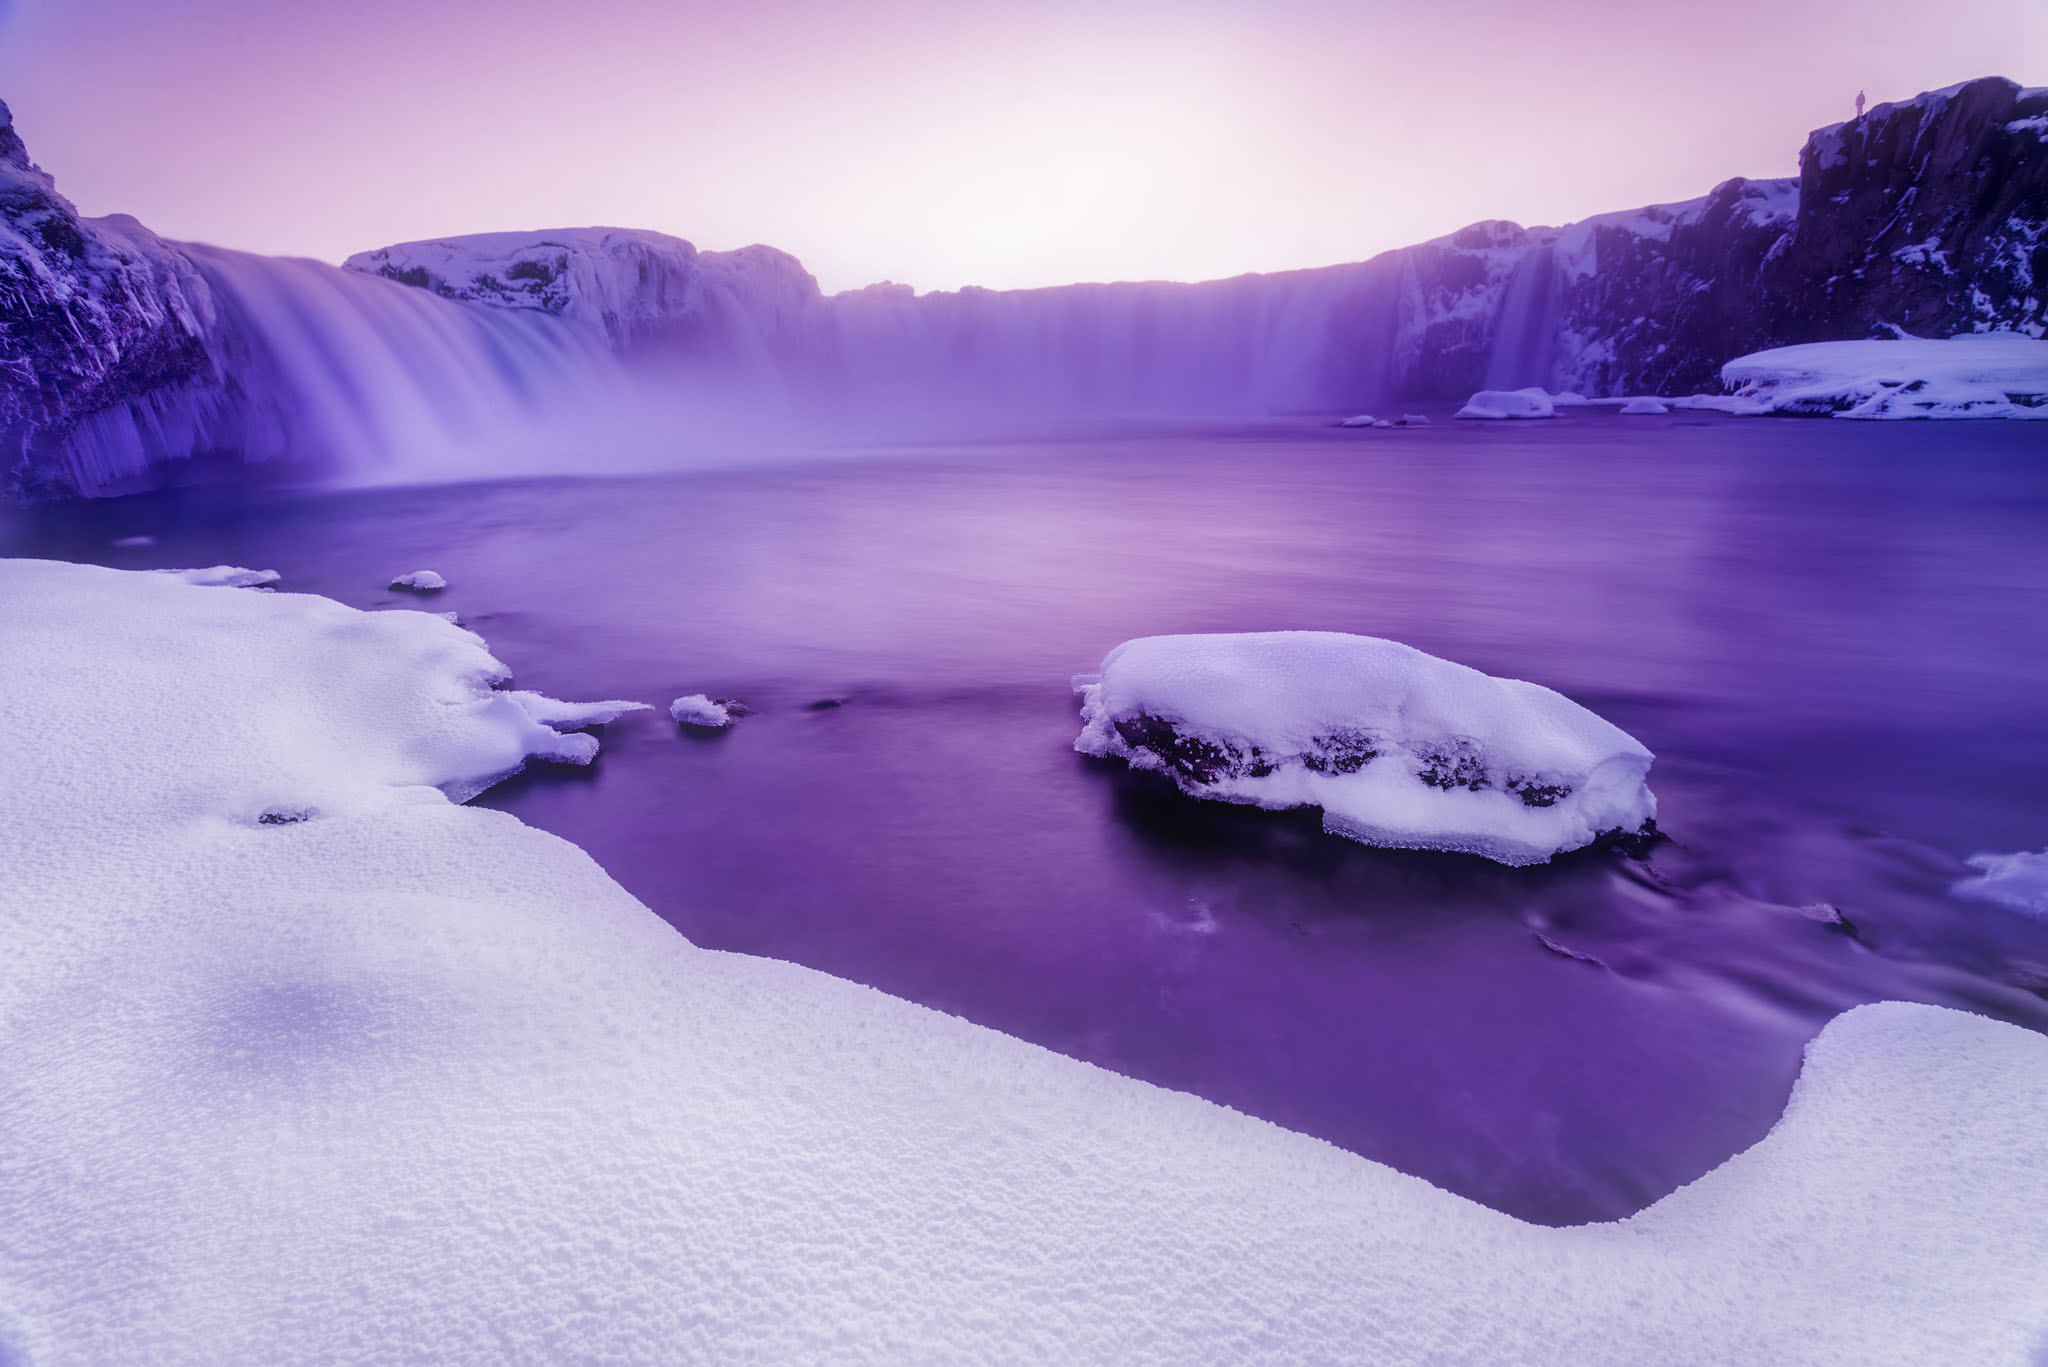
pixel 1509 403
pixel 2016 881
pixel 302 1061
pixel 420 581
pixel 697 710
pixel 1397 747
pixel 223 576
pixel 1977 375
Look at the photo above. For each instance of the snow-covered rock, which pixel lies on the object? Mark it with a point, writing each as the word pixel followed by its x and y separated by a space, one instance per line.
pixel 1414 420
pixel 1977 375
pixel 695 709
pixel 1643 408
pixel 223 576
pixel 1509 403
pixel 303 1059
pixel 2017 881
pixel 1358 420
pixel 420 581
pixel 1397 747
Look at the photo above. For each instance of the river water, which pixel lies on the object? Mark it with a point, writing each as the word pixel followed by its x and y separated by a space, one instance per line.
pixel 1834 636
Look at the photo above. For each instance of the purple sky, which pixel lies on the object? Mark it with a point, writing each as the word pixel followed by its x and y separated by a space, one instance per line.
pixel 947 142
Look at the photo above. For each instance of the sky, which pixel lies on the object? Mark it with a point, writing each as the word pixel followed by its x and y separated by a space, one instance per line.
pixel 949 142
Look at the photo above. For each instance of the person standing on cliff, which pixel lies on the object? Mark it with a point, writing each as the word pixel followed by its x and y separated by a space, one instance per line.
pixel 1859 104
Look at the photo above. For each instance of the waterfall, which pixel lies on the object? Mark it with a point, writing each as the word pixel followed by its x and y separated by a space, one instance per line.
pixel 341 373
pixel 1525 336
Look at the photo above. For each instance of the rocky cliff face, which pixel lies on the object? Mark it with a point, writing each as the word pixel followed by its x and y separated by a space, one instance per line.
pixel 102 326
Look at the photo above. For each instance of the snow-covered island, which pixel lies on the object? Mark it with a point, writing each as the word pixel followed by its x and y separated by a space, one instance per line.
pixel 306 1059
pixel 696 709
pixel 1396 747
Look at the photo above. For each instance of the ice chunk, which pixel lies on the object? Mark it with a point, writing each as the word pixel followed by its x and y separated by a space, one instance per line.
pixel 1977 375
pixel 223 576
pixel 1642 407
pixel 2015 881
pixel 573 716
pixel 1397 747
pixel 420 581
pixel 1509 403
pixel 697 710
pixel 413 1081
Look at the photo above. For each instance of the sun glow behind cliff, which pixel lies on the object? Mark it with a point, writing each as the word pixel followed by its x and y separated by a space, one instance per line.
pixel 949 144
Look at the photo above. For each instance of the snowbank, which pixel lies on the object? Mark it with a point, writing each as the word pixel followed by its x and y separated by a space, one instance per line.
pixel 1978 375
pixel 697 710
pixel 420 581
pixel 2015 881
pixel 223 576
pixel 388 1078
pixel 1509 403
pixel 1397 747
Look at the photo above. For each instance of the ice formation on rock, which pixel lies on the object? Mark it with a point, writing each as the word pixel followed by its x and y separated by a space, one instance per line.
pixel 303 1059
pixel 1517 403
pixel 695 709
pixel 1396 747
pixel 420 581
pixel 1977 375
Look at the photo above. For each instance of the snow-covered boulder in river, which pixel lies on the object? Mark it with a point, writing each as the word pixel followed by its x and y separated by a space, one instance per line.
pixel 1397 747
pixel 695 709
pixel 1509 403
pixel 1977 375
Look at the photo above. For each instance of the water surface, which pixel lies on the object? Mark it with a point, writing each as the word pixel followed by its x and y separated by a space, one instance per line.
pixel 1831 635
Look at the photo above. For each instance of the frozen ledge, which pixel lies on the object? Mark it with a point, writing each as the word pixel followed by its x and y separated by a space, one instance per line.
pixel 391 1078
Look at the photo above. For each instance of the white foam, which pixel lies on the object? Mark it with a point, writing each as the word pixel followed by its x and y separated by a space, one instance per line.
pixel 2016 881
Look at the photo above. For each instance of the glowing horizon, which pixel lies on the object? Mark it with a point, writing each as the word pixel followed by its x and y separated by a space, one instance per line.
pixel 942 145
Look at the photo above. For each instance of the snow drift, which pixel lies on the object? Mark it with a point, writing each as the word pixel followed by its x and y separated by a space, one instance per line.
pixel 391 1078
pixel 1979 375
pixel 1397 747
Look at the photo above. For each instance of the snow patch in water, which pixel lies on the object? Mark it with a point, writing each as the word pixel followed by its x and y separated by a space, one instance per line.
pixel 1397 747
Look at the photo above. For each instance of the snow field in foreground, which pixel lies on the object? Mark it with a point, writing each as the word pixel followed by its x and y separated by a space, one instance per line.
pixel 400 1079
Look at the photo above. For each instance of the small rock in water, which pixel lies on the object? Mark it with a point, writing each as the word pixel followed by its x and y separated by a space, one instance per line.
pixel 128 541
pixel 1413 420
pixel 1359 420
pixel 420 581
pixel 696 709
pixel 825 704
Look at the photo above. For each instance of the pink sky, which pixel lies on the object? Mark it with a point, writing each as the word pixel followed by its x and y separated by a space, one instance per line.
pixel 952 143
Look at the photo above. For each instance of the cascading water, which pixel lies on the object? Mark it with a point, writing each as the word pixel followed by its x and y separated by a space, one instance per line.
pixel 342 373
pixel 1525 338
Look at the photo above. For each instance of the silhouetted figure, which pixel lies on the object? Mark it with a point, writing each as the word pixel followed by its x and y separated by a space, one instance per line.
pixel 1859 104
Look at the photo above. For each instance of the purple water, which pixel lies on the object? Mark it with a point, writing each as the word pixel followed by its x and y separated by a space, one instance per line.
pixel 1831 634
